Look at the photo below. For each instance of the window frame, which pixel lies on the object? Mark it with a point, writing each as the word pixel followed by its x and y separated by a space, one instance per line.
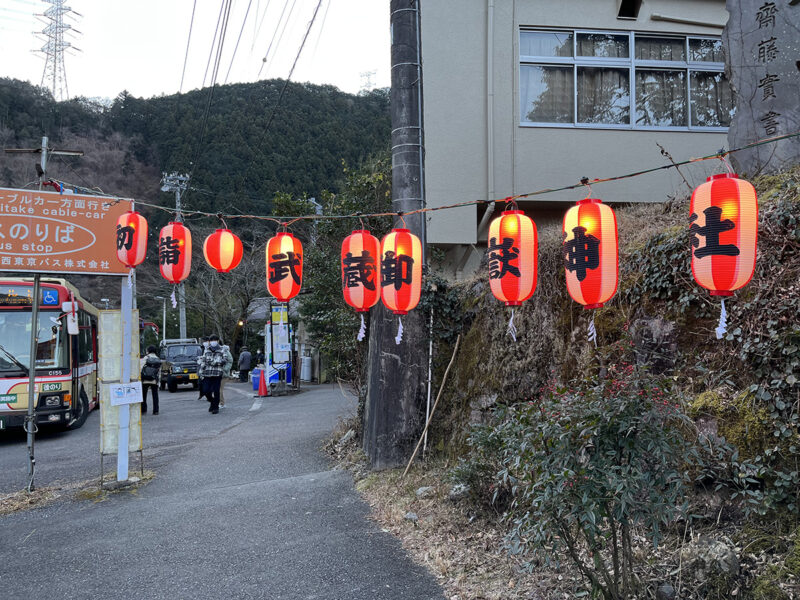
pixel 631 63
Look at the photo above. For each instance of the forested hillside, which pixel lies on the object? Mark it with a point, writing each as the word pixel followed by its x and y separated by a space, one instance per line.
pixel 221 138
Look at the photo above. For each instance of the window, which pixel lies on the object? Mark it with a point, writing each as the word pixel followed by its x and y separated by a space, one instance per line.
pixel 623 80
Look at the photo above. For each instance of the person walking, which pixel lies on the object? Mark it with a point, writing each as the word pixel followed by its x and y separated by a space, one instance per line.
pixel 211 364
pixel 245 358
pixel 200 387
pixel 150 375
pixel 226 373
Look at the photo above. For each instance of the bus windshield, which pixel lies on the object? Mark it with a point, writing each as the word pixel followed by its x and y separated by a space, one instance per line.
pixel 15 336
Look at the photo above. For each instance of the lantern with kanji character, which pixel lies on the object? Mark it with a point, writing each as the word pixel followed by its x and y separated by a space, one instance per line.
pixel 131 239
pixel 360 273
pixel 401 271
pixel 223 250
pixel 590 252
pixel 175 252
pixel 724 230
pixel 284 266
pixel 513 253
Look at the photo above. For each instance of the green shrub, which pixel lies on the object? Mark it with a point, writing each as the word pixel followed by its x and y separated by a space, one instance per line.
pixel 585 466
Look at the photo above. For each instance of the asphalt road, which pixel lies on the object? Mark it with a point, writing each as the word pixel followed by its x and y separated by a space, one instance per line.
pixel 243 505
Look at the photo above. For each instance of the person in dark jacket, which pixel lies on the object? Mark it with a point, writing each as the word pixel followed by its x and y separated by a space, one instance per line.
pixel 211 364
pixel 245 360
pixel 150 376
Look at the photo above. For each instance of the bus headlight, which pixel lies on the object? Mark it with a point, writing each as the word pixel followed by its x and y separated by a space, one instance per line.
pixel 52 401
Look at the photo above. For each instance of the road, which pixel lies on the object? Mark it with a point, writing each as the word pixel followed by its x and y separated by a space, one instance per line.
pixel 243 505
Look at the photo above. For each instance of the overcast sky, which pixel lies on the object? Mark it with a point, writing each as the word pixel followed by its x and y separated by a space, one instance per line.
pixel 140 45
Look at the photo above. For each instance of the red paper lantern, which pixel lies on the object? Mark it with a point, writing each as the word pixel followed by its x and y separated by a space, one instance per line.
pixel 131 239
pixel 284 266
pixel 360 276
pixel 175 252
pixel 513 254
pixel 401 271
pixel 223 250
pixel 590 252
pixel 724 229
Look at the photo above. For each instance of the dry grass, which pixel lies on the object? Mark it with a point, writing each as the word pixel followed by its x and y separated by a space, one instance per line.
pixel 75 491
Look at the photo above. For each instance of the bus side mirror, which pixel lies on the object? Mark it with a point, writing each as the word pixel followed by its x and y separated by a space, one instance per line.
pixel 71 314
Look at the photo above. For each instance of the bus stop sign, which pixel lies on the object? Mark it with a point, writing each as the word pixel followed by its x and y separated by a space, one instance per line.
pixel 51 232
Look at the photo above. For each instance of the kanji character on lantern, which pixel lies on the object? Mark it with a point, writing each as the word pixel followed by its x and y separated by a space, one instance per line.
pixel 724 233
pixel 131 239
pixel 175 252
pixel 284 266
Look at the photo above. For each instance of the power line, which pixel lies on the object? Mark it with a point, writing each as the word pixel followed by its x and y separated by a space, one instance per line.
pixel 288 221
pixel 291 72
pixel 239 39
pixel 188 41
pixel 214 41
pixel 275 33
pixel 260 23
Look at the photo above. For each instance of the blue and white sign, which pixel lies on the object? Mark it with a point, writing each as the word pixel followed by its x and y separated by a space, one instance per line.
pixel 49 297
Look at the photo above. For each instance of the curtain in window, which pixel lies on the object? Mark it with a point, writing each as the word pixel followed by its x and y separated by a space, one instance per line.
pixel 603 95
pixel 711 98
pixel 660 98
pixel 545 43
pixel 546 94
pixel 656 48
pixel 602 45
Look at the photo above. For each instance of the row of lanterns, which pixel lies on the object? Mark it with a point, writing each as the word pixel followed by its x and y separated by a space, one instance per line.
pixel 723 227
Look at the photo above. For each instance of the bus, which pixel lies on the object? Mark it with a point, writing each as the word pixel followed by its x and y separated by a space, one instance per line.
pixel 66 365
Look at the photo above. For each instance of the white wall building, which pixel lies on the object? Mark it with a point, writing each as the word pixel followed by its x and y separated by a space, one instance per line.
pixel 521 95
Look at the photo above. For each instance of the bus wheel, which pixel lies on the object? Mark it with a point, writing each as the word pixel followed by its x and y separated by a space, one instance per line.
pixel 81 411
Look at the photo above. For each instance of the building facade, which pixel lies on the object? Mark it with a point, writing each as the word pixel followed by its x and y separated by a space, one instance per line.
pixel 521 95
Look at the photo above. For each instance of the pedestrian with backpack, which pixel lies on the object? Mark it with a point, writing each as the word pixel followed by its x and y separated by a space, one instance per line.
pixel 150 375
pixel 211 363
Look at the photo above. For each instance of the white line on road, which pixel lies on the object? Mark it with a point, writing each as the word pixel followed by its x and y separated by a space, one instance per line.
pixel 256 405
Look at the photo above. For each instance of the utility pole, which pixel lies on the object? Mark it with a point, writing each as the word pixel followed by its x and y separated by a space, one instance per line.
pixel 397 373
pixel 177 183
pixel 30 419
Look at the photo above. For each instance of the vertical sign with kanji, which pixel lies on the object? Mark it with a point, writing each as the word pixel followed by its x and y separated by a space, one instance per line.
pixel 759 40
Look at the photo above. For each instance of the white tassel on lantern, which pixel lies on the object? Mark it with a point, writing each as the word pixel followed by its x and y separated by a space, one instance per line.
pixel 399 337
pixel 592 332
pixel 512 329
pixel 130 278
pixel 723 322
pixel 172 297
pixel 363 331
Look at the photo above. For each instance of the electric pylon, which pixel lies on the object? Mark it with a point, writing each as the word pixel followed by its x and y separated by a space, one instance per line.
pixel 54 76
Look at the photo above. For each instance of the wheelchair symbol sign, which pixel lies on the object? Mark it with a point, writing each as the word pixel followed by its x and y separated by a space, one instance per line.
pixel 50 297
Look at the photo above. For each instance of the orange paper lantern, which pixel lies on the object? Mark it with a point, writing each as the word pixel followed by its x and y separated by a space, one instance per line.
pixel 284 266
pixel 360 275
pixel 590 252
pixel 513 254
pixel 175 252
pixel 401 271
pixel 724 229
pixel 223 250
pixel 131 239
